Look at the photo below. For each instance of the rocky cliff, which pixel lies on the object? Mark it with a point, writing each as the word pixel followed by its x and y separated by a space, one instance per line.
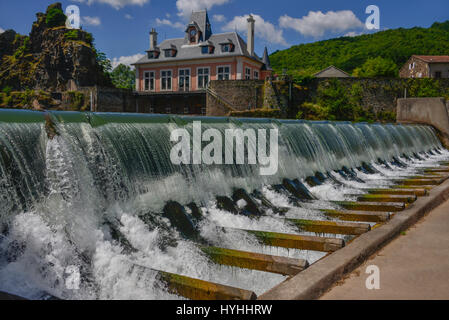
pixel 51 58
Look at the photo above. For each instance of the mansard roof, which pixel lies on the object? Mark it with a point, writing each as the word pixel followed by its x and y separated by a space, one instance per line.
pixel 191 52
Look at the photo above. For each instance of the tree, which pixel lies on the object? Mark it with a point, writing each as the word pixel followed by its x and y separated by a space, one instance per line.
pixel 377 67
pixel 104 62
pixel 123 77
pixel 349 53
pixel 55 17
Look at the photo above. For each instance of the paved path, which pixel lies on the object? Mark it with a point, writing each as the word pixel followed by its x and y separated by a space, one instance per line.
pixel 413 266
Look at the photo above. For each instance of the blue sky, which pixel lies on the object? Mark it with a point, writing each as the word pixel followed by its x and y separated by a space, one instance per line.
pixel 121 27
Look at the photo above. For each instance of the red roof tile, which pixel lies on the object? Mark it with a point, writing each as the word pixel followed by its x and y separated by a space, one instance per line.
pixel 434 59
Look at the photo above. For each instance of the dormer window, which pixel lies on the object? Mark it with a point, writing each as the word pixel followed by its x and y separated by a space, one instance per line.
pixel 227 46
pixel 207 48
pixel 153 54
pixel 170 52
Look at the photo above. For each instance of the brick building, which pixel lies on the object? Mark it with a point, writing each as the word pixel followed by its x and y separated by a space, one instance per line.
pixel 187 64
pixel 426 67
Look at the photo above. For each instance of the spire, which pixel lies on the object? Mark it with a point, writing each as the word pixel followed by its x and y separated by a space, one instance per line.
pixel 266 59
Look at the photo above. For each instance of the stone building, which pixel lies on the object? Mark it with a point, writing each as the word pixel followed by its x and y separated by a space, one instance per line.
pixel 426 67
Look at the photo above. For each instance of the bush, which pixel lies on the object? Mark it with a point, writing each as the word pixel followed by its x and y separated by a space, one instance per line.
pixel 7 90
pixel 333 96
pixel 23 48
pixel 336 102
pixel 89 38
pixel 55 18
pixel 377 67
pixel 386 116
pixel 77 100
pixel 71 35
pixel 311 111
pixel 425 88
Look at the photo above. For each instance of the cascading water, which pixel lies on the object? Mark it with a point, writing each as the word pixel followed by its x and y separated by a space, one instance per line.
pixel 91 197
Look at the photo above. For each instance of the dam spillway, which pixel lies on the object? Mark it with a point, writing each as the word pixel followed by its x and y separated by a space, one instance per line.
pixel 96 197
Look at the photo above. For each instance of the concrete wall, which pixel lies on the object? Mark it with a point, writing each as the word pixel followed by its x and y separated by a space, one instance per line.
pixel 193 103
pixel 431 111
pixel 121 100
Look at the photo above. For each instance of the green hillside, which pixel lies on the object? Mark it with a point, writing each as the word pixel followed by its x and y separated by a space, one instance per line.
pixel 349 53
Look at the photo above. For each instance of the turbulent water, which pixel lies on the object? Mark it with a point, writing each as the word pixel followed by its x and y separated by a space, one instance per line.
pixel 91 198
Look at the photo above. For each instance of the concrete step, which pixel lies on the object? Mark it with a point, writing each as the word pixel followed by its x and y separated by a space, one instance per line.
pixel 196 289
pixel 382 198
pixel 436 170
pixel 298 242
pixel 372 206
pixel 410 187
pixel 405 192
pixel 364 216
pixel 331 227
pixel 256 261
pixel 419 182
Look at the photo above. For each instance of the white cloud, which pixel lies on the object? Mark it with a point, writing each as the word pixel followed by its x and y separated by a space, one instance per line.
pixel 218 17
pixel 264 29
pixel 185 7
pixel 2 30
pixel 317 23
pixel 117 4
pixel 353 34
pixel 166 22
pixel 126 60
pixel 129 17
pixel 91 21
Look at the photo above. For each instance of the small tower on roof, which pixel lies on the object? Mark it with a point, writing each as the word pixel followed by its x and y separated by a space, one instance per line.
pixel 266 60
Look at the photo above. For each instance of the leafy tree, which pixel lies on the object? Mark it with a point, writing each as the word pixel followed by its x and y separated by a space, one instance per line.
pixel 441 25
pixel 123 77
pixel 377 67
pixel 350 53
pixel 104 62
pixel 55 18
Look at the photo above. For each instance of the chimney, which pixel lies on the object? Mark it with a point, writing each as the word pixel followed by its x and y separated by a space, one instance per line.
pixel 153 39
pixel 251 23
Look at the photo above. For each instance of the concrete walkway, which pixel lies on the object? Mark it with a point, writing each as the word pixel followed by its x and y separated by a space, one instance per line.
pixel 413 266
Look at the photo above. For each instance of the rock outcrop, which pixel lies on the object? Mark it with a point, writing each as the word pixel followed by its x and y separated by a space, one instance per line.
pixel 50 58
